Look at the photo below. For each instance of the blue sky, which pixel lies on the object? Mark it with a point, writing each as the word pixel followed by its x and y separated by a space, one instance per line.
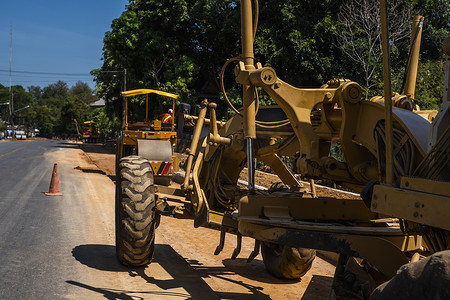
pixel 54 36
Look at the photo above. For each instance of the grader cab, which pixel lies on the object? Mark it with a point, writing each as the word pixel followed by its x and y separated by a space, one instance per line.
pixel 152 139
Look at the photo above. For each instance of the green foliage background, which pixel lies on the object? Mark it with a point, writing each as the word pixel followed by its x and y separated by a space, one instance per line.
pixel 53 109
pixel 180 46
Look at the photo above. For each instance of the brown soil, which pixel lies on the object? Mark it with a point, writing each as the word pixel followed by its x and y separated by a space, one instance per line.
pixel 101 156
pixel 236 278
pixel 267 179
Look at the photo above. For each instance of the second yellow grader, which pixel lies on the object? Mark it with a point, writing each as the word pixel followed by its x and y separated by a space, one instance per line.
pixel 151 139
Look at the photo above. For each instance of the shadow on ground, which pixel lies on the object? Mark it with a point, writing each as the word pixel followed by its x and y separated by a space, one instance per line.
pixel 97 148
pixel 89 148
pixel 88 170
pixel 66 145
pixel 188 276
pixel 318 286
pixel 254 271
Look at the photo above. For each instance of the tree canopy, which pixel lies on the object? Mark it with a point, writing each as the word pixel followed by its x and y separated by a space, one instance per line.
pixel 180 45
pixel 52 109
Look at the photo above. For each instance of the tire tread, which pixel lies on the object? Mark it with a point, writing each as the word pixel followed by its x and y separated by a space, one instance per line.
pixel 135 215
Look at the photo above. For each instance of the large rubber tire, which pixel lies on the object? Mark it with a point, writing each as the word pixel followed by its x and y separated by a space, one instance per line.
pixel 285 262
pixel 135 211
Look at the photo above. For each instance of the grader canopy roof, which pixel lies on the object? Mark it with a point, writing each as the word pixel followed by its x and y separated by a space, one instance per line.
pixel 148 91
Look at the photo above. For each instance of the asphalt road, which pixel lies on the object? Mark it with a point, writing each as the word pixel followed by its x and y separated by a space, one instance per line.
pixel 62 247
pixel 29 226
pixel 46 241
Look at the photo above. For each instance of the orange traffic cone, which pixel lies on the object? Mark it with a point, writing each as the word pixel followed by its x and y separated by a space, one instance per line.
pixel 54 184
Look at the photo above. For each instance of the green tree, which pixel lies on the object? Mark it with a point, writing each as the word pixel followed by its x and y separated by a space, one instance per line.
pixel 430 77
pixel 360 38
pixel 142 40
pixel 180 45
pixel 436 26
pixel 42 117
pixel 35 91
pixel 82 92
pixel 430 84
pixel 20 100
pixel 4 98
pixel 107 126
pixel 74 110
pixel 53 97
pixel 58 90
pixel 2 125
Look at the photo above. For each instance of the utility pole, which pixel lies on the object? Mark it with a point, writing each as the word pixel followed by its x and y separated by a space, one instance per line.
pixel 123 101
pixel 11 103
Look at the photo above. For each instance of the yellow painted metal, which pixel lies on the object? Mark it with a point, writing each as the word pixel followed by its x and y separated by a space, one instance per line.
pixel 410 83
pixel 157 124
pixel 176 164
pixel 138 92
pixel 131 136
pixel 192 120
pixel 194 142
pixel 380 251
pixel 312 185
pixel 344 118
pixel 409 243
pixel 387 93
pixel 421 207
pixel 148 91
pixel 126 114
pixel 279 168
pixel 214 139
pixel 142 137
pixel 146 108
pixel 427 186
pixel 302 207
pixel 198 196
pixel 331 113
pixel 249 103
pixel 90 132
pixel 173 115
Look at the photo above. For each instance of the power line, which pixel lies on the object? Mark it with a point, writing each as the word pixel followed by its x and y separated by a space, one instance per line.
pixel 44 76
pixel 58 74
pixel 48 73
pixel 28 81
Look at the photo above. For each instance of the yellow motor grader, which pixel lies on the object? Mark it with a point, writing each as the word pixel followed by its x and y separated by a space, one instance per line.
pixel 394 157
pixel 152 139
pixel 90 133
pixel 143 156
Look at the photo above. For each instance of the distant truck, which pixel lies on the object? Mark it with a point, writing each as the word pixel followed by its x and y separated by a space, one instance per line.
pixel 20 135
